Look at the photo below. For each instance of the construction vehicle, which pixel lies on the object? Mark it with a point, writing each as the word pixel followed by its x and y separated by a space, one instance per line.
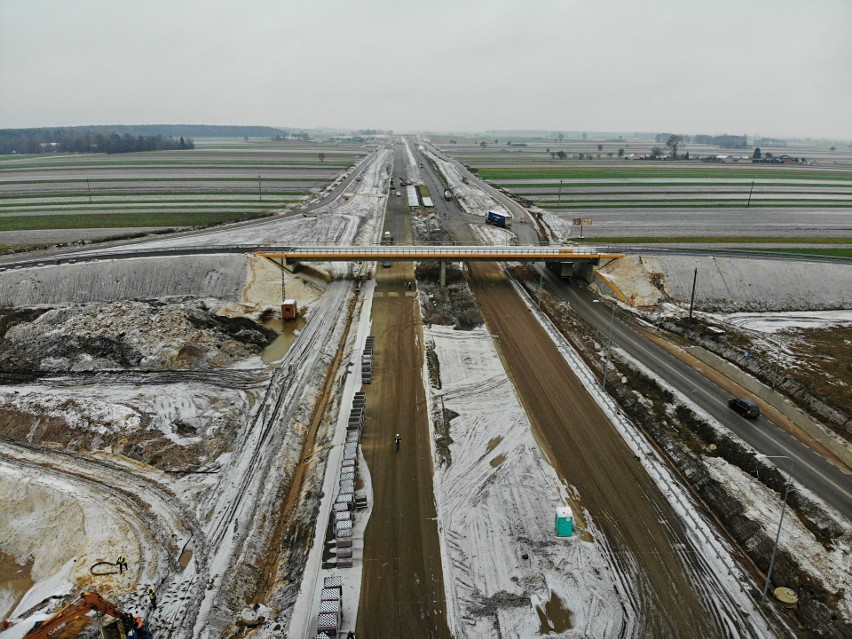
pixel 448 195
pixel 75 616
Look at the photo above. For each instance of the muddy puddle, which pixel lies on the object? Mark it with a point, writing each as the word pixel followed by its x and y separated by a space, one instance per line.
pixel 185 558
pixel 553 616
pixel 15 582
pixel 287 334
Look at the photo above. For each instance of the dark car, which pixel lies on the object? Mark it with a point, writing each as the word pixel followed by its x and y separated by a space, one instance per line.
pixel 386 264
pixel 745 407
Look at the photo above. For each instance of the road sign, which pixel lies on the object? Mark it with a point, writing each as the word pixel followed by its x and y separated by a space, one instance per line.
pixel 580 221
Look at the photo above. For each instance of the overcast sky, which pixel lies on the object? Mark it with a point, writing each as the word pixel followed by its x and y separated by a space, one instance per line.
pixel 775 67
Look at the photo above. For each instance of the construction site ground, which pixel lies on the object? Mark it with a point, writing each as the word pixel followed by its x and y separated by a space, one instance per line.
pixel 402 587
pixel 498 426
pixel 588 453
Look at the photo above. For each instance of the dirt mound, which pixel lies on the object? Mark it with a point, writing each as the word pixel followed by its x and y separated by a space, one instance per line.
pixel 129 334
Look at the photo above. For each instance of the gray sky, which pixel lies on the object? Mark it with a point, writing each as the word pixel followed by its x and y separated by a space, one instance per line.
pixel 775 67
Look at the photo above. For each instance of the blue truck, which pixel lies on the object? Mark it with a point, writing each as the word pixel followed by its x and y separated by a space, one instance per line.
pixel 503 220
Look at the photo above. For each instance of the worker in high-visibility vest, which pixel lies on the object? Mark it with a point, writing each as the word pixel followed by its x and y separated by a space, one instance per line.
pixel 121 563
pixel 152 596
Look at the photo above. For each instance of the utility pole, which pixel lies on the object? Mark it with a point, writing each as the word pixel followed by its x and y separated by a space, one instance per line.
pixel 609 346
pixel 748 204
pixel 259 191
pixel 780 521
pixel 560 192
pixel 89 189
pixel 692 297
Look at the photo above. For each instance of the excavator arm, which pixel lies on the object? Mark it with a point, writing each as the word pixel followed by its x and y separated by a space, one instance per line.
pixel 80 607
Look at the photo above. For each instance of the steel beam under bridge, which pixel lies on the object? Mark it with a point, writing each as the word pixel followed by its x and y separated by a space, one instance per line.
pixel 387 252
pixel 420 253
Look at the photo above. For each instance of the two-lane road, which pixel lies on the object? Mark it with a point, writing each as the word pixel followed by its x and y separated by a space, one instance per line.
pixel 809 468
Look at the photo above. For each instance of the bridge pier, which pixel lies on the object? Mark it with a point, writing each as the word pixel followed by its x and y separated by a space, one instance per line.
pixel 443 278
pixel 586 270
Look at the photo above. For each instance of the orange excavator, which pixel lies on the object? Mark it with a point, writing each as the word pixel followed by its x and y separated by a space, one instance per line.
pixel 74 617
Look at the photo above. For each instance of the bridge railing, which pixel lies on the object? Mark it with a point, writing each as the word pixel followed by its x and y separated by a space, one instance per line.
pixel 388 249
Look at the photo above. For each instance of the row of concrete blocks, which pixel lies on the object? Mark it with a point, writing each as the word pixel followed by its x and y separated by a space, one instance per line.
pixel 346 502
pixel 367 360
pixel 330 615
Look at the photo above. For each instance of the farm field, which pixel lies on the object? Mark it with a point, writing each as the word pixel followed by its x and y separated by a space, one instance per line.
pixel 150 402
pixel 665 199
pixel 221 180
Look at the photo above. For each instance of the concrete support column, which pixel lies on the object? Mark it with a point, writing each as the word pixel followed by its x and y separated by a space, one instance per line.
pixel 443 280
pixel 586 271
pixel 289 265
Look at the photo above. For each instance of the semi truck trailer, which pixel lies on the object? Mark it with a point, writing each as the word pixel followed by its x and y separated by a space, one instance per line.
pixel 497 218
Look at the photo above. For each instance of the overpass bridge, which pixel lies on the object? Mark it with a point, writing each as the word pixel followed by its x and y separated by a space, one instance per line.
pixel 288 256
pixel 452 253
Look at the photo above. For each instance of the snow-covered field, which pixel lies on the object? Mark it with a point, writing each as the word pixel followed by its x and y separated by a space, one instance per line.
pixel 505 572
pixel 496 504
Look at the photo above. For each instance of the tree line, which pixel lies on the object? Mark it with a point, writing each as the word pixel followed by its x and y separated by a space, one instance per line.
pixel 80 140
pixel 723 141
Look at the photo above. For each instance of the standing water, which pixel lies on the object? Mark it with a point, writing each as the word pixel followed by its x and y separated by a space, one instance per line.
pixel 287 333
pixel 15 582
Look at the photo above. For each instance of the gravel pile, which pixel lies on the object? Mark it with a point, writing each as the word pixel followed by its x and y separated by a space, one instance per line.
pixel 130 334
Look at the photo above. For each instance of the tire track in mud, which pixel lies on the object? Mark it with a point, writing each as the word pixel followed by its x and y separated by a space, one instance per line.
pixel 234 503
pixel 697 576
pixel 289 509
pixel 158 514
pixel 242 379
pixel 237 501
pixel 621 496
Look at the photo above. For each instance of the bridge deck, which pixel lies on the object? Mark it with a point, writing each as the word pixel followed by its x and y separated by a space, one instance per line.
pixel 415 253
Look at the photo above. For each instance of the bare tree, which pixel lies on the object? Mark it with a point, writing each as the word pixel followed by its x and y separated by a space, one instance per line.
pixel 482 145
pixel 322 157
pixel 600 147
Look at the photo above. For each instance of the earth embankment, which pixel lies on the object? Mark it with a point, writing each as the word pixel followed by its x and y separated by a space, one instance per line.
pixel 200 276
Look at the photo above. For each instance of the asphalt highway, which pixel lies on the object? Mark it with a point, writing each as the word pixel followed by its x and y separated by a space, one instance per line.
pixel 809 469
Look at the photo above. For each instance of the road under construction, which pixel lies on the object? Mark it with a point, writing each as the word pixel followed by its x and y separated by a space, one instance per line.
pixel 669 589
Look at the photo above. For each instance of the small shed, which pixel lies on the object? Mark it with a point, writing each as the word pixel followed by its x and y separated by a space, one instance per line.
pixel 564 522
pixel 289 309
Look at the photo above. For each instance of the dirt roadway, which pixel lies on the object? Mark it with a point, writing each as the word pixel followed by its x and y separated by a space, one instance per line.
pixel 402 592
pixel 645 535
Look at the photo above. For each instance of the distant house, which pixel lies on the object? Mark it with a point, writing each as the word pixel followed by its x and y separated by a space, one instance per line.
pixel 724 158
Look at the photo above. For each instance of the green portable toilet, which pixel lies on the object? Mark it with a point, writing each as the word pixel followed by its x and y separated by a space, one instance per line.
pixel 564 522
